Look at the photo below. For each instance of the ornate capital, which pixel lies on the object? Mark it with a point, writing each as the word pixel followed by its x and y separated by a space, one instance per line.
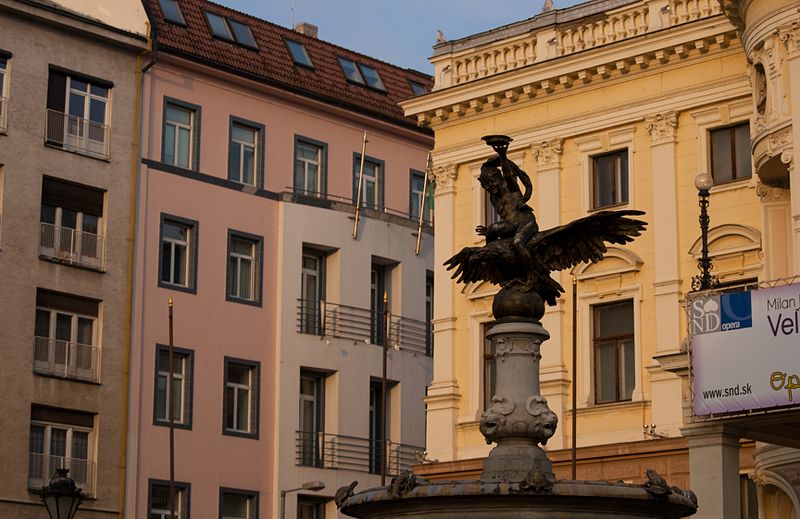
pixel 790 36
pixel 772 193
pixel 445 177
pixel 548 153
pixel 661 127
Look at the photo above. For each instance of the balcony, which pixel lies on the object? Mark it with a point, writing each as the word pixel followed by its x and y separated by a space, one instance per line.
pixel 42 467
pixel 71 246
pixel 3 114
pixel 77 134
pixel 320 317
pixel 66 359
pixel 337 451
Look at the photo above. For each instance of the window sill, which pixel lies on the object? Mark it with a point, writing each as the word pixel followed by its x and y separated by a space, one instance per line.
pixel 240 434
pixel 628 405
pixel 609 207
pixel 249 302
pixel 51 259
pixel 69 379
pixel 179 288
pixel 101 158
pixel 733 185
pixel 177 425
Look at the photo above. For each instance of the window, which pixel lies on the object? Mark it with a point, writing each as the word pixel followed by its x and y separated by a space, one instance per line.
pixel 70 222
pixel 489 212
pixel 361 74
pixel 65 336
pixel 376 450
pixel 61 438
pixel 614 365
pixel 77 110
pixel 310 166
pixel 219 26
pixel 242 34
pixel 312 292
pixel 244 267
pixel 159 505
pixel 419 197
pixel 230 30
pixel 429 313
pixel 178 262
pixel 377 289
pixel 299 54
pixel 310 507
pixel 238 504
pixel 240 407
pixel 730 153
pixel 312 385
pixel 182 379
pixel 180 139
pixel 371 182
pixel 245 152
pixel 418 88
pixel 610 179
pixel 4 57
pixel 171 11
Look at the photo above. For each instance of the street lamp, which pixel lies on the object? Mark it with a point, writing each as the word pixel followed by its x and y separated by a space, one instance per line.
pixel 313 486
pixel 705 280
pixel 61 497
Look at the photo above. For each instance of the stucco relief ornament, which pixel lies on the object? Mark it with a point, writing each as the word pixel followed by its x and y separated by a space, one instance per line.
pixel 548 153
pixel 661 127
pixel 445 177
pixel 790 36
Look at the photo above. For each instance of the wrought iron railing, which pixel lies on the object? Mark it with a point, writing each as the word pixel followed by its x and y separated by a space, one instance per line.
pixel 337 451
pixel 42 467
pixel 320 317
pixel 72 246
pixel 77 134
pixel 66 359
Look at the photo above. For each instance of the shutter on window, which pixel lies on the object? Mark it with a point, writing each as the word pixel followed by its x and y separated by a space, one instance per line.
pixel 62 416
pixel 256 399
pixel 56 91
pixel 188 390
pixel 194 234
pixel 67 303
pixel 72 196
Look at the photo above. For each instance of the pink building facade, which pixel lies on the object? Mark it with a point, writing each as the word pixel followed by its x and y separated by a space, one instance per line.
pixel 251 146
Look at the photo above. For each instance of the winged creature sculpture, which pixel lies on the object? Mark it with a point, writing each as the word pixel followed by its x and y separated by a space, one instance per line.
pixel 519 256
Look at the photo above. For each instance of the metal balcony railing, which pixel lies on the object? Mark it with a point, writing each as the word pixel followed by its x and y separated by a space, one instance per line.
pixel 320 317
pixel 42 467
pixel 77 134
pixel 337 451
pixel 72 246
pixel 3 114
pixel 66 359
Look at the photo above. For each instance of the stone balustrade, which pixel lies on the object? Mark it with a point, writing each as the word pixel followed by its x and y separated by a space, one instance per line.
pixel 495 59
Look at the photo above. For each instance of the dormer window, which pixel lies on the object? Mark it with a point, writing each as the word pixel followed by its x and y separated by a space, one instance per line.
pixel 219 26
pixel 299 54
pixel 418 88
pixel 230 30
pixel 361 74
pixel 171 11
pixel 242 34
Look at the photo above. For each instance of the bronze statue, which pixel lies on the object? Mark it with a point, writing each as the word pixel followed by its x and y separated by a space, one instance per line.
pixel 517 255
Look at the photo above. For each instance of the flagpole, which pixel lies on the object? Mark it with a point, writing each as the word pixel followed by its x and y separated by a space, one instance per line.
pixel 360 177
pixel 428 169
pixel 574 378
pixel 170 400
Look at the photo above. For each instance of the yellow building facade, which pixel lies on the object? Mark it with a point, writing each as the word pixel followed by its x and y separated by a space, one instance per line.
pixel 617 104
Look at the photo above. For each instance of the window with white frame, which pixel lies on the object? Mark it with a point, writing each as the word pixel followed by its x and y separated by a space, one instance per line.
pixel 312 291
pixel 238 504
pixel 181 387
pixel 309 167
pixel 244 152
pixel 77 112
pixel 61 438
pixel 312 401
pixel 179 143
pixel 244 267
pixel 159 496
pixel 419 196
pixel 613 351
pixel 65 336
pixel 371 182
pixel 70 223
pixel 178 253
pixel 4 57
pixel 240 405
pixel 610 179
pixel 730 153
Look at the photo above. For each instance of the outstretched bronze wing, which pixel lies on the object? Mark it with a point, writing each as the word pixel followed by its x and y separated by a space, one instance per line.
pixel 495 262
pixel 584 240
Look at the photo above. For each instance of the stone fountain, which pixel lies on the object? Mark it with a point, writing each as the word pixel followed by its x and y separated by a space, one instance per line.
pixel 518 479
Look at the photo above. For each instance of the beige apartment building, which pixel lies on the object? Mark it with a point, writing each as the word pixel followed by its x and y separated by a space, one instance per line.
pixel 68 100
pixel 620 104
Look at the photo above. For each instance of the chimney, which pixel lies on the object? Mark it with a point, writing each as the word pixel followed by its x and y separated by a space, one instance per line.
pixel 308 29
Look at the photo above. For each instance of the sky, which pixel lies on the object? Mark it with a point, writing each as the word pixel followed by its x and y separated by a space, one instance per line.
pixel 401 32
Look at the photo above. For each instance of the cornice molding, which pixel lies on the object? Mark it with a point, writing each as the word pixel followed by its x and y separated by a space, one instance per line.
pixel 661 127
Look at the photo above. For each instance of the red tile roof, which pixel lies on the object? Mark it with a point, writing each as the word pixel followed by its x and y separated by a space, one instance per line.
pixel 272 63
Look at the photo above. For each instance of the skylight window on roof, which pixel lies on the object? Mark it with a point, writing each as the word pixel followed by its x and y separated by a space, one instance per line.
pixel 219 26
pixel 371 76
pixel 242 34
pixel 171 11
pixel 418 88
pixel 351 71
pixel 299 53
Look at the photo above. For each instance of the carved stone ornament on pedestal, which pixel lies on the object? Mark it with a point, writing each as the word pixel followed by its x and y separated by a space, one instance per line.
pixel 445 177
pixel 661 127
pixel 548 153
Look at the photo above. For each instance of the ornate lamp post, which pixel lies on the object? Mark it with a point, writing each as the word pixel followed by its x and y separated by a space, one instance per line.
pixel 61 497
pixel 705 280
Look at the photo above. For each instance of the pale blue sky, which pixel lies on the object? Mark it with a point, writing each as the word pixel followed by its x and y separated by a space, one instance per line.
pixel 400 32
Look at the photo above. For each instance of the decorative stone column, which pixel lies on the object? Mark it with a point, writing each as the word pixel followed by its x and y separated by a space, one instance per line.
pixel 555 379
pixel 714 469
pixel 776 239
pixel 789 35
pixel 443 393
pixel 666 387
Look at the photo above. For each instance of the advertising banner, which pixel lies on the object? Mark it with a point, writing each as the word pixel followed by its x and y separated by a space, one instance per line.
pixel 746 350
